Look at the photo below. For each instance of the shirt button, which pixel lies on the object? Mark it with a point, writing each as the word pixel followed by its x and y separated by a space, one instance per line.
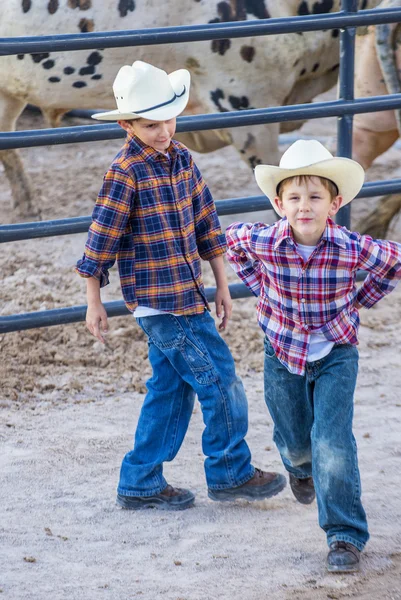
pixel 303 300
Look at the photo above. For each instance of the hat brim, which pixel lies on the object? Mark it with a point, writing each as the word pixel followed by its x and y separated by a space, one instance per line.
pixel 347 174
pixel 178 80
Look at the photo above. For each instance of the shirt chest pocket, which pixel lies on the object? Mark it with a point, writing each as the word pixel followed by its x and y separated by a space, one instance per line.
pixel 183 187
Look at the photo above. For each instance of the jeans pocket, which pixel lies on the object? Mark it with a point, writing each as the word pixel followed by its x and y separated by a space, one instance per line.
pixel 269 350
pixel 165 331
pixel 199 363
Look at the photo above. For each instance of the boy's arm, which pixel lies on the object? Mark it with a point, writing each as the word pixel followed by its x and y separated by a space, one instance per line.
pixel 209 238
pixel 109 221
pixel 96 316
pixel 382 259
pixel 241 257
pixel 223 300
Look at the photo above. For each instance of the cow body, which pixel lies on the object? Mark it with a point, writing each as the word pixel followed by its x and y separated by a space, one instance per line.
pixel 226 74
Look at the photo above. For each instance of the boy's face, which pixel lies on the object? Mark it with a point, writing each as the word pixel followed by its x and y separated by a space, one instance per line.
pixel 156 134
pixel 307 207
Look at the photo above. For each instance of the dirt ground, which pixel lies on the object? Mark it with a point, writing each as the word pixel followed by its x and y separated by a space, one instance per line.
pixel 68 408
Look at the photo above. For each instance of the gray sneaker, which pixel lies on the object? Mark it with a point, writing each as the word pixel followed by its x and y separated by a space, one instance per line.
pixel 169 499
pixel 343 557
pixel 261 485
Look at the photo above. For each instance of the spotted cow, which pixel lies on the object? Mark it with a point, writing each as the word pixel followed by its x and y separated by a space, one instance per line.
pixel 227 75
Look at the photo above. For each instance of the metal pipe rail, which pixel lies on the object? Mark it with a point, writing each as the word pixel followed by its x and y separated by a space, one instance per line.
pixel 195 33
pixel 117 308
pixel 242 118
pixel 41 229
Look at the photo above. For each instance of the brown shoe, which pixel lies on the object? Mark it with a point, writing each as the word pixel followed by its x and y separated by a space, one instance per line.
pixel 303 489
pixel 169 499
pixel 343 557
pixel 261 485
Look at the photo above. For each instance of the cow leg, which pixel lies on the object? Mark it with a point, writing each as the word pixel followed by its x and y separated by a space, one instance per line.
pixel 10 110
pixel 376 224
pixel 53 116
pixel 257 144
pixel 367 145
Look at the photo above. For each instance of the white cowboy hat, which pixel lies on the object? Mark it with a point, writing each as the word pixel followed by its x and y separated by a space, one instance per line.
pixel 144 91
pixel 310 157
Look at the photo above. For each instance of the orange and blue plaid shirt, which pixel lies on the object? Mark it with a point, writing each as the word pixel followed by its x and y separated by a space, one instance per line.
pixel 156 216
pixel 297 298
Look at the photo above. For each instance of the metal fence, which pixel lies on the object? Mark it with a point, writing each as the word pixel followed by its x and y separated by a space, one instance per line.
pixel 344 108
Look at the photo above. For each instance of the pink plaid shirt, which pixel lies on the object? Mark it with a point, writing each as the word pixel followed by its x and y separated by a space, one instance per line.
pixel 319 296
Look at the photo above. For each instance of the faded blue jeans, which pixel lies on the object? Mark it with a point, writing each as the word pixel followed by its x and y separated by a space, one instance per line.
pixel 312 417
pixel 188 357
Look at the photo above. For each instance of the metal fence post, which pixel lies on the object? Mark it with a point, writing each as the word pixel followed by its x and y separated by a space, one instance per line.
pixel 346 92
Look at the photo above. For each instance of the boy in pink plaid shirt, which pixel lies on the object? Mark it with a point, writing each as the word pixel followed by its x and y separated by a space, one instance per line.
pixel 303 269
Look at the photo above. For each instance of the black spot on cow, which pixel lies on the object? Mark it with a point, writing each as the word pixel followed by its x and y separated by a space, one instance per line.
pixel 69 70
pixel 94 58
pixel 52 6
pixel 86 25
pixel 20 56
pixel 254 161
pixel 315 67
pixel 225 12
pixel 239 102
pixel 296 62
pixel 39 56
pixel 79 84
pixel 221 46
pixel 335 33
pixel 247 53
pixel 124 6
pixel 81 4
pixel 87 70
pixel 335 67
pixel 96 76
pixel 54 79
pixel 26 5
pixel 303 8
pixel 318 8
pixel 324 6
pixel 302 72
pixel 216 96
pixel 257 8
pixel 48 64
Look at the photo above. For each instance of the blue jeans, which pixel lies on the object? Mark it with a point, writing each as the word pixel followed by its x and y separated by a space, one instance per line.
pixel 312 417
pixel 188 357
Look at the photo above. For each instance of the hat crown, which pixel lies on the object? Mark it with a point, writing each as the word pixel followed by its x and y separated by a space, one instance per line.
pixel 141 86
pixel 304 153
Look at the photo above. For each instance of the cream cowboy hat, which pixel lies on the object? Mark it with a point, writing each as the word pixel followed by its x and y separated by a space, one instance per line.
pixel 310 157
pixel 148 92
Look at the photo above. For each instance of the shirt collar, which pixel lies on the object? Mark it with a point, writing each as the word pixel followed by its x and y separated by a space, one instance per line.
pixel 147 152
pixel 333 234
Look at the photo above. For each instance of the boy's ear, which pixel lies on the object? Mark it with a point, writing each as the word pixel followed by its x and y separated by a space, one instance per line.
pixel 279 203
pixel 335 205
pixel 126 125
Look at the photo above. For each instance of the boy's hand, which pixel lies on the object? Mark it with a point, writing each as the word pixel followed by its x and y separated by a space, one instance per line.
pixel 224 305
pixel 96 321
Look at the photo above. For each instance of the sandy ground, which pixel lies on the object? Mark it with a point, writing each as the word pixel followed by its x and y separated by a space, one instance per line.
pixel 68 409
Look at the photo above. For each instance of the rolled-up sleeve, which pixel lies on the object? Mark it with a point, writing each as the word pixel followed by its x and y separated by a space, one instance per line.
pixel 209 238
pixel 110 220
pixel 382 260
pixel 240 256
